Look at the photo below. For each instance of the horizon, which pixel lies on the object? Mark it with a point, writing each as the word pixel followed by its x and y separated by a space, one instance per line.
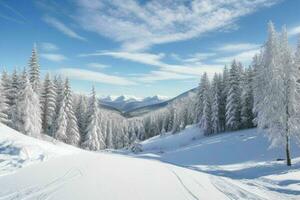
pixel 138 54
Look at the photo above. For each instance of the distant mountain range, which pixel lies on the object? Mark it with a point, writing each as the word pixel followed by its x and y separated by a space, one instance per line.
pixel 146 109
pixel 130 106
pixel 127 103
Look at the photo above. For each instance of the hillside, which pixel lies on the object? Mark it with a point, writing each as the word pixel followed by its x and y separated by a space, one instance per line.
pixel 182 166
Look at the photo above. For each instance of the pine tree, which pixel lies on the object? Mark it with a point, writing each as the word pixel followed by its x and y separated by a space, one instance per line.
pixel 109 135
pixel 247 100
pixel 28 113
pixel 91 140
pixel 61 122
pixel 216 104
pixel 81 112
pixel 233 103
pixel 48 102
pixel 13 93
pixel 66 128
pixel 34 70
pixel 205 122
pixel 224 88
pixel 3 106
pixel 73 135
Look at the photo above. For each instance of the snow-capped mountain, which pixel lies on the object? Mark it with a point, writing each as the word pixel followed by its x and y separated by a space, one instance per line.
pixel 126 103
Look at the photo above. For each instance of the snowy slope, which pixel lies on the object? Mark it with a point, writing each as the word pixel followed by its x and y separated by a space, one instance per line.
pixel 18 150
pixel 77 174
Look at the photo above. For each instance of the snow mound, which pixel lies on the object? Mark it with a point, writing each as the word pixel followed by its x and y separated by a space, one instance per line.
pixel 169 141
pixel 18 150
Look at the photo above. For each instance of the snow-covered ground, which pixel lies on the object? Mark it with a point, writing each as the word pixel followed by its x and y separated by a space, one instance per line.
pixel 235 165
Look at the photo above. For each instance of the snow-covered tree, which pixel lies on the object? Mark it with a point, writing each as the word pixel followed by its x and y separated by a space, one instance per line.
pixel 278 109
pixel 48 102
pixel 73 135
pixel 13 92
pixel 247 100
pixel 91 140
pixel 3 106
pixel 34 70
pixel 109 135
pixel 233 103
pixel 28 110
pixel 216 103
pixel 81 115
pixel 205 121
pixel 66 128
pixel 61 122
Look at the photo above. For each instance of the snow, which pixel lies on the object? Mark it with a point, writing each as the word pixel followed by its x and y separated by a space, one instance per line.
pixel 236 165
pixel 18 150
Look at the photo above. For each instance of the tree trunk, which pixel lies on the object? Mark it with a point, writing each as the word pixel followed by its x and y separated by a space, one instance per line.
pixel 287 149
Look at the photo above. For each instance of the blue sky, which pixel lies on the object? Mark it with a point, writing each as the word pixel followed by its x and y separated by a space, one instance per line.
pixel 138 47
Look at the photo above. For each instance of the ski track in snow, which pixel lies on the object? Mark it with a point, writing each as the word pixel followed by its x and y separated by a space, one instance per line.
pixel 232 191
pixel 43 192
pixel 183 184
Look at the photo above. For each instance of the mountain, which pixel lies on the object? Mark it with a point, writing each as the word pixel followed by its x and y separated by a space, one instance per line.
pixel 151 107
pixel 127 103
pixel 187 165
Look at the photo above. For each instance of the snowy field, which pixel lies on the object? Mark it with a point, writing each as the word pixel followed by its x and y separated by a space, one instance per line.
pixel 235 165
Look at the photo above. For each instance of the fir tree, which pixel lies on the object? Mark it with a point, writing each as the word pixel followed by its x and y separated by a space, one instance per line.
pixel 3 106
pixel 91 140
pixel 216 104
pixel 73 135
pixel 48 101
pixel 28 110
pixel 81 115
pixel 247 100
pixel 233 103
pixel 205 122
pixel 34 70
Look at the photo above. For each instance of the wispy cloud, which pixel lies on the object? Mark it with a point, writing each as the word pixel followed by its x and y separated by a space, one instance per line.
pixel 155 60
pixel 161 76
pixel 62 28
pixel 144 58
pixel 97 65
pixel 53 57
pixel 294 31
pixel 16 12
pixel 198 57
pixel 47 46
pixel 138 26
pixel 244 57
pixel 13 14
pixel 238 47
pixel 87 75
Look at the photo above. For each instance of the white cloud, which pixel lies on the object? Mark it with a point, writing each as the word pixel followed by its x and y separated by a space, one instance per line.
pixel 53 57
pixel 198 57
pixel 138 26
pixel 188 68
pixel 244 57
pixel 97 65
pixel 47 46
pixel 144 58
pixel 161 76
pixel 238 47
pixel 87 75
pixel 294 31
pixel 62 27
